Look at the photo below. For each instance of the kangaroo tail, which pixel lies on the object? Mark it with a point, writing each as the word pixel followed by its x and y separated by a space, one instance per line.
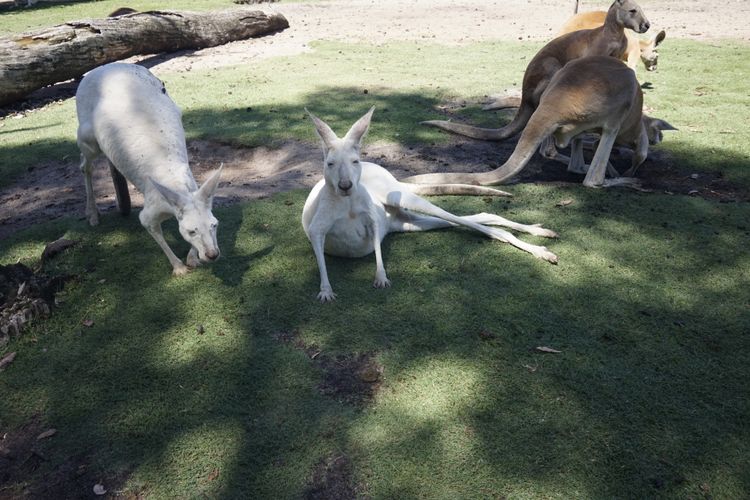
pixel 488 134
pixel 538 128
pixel 122 195
pixel 455 189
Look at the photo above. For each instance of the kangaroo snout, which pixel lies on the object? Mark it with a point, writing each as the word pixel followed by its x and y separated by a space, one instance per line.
pixel 345 185
pixel 644 27
pixel 212 254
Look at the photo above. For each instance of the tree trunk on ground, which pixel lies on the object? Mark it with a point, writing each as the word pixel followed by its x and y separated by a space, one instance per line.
pixel 32 60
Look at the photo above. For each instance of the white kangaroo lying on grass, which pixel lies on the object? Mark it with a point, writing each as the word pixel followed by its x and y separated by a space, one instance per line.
pixel 349 212
pixel 125 113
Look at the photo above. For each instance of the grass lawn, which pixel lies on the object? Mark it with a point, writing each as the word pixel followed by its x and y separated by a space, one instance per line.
pixel 231 382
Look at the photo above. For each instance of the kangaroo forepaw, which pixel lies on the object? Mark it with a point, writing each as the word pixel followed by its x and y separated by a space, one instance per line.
pixel 192 261
pixel 381 282
pixel 180 270
pixel 326 295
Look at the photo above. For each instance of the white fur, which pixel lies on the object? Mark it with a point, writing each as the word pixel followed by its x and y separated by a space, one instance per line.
pixel 125 113
pixel 349 212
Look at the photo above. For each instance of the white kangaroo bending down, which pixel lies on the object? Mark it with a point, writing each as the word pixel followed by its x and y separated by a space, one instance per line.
pixel 349 212
pixel 124 112
pixel 590 94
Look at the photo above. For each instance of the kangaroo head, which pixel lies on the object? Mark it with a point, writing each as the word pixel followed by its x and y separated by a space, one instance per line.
pixel 654 127
pixel 649 54
pixel 630 15
pixel 197 224
pixel 341 167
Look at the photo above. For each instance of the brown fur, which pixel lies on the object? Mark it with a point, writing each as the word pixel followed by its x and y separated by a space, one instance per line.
pixel 606 40
pixel 591 94
pixel 637 49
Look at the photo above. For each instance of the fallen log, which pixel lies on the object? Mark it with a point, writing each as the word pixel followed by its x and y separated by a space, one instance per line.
pixel 32 60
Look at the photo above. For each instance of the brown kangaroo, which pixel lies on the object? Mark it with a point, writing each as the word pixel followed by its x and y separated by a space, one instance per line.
pixel 607 40
pixel 596 93
pixel 645 50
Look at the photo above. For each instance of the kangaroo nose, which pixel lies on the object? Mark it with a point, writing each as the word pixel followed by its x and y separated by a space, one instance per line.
pixel 646 26
pixel 345 184
pixel 212 254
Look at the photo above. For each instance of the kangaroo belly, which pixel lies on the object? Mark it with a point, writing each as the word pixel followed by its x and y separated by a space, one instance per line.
pixel 350 237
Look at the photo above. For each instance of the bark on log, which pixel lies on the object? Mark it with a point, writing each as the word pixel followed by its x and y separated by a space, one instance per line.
pixel 32 60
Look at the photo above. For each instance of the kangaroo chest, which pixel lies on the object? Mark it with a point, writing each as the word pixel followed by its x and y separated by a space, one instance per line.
pixel 353 232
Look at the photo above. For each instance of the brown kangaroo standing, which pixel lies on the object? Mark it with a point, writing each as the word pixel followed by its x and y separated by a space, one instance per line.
pixel 606 40
pixel 596 93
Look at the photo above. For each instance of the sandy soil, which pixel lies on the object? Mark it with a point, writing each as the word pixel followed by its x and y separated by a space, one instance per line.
pixel 55 189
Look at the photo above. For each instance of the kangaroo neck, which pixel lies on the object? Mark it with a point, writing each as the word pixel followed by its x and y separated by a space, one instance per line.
pixel 611 24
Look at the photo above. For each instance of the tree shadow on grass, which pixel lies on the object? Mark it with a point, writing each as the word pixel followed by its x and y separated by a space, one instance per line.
pixel 183 384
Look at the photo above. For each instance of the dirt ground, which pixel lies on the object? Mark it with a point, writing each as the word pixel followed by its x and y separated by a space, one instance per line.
pixel 55 189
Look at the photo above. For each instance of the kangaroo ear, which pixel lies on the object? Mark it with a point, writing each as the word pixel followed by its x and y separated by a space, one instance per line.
pixel 359 129
pixel 663 125
pixel 207 190
pixel 324 131
pixel 660 37
pixel 173 198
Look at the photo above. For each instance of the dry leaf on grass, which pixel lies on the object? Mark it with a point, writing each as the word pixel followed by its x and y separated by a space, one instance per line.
pixel 99 490
pixel 7 359
pixel 564 203
pixel 46 434
pixel 88 322
pixel 548 349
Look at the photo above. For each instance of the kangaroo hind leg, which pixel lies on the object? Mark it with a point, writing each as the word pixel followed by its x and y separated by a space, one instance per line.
pixel 413 202
pixel 89 152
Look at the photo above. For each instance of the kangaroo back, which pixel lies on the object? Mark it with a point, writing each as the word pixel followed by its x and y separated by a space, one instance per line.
pixel 583 21
pixel 126 111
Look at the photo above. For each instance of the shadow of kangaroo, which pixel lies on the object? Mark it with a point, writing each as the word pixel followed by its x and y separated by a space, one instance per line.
pixel 590 94
pixel 606 40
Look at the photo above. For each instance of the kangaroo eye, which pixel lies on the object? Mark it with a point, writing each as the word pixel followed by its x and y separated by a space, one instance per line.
pixel 355 162
pixel 192 233
pixel 330 163
pixel 633 11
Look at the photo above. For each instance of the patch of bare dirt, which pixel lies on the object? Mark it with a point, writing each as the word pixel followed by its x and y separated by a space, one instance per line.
pixel 55 189
pixel 348 378
pixel 332 479
pixel 454 22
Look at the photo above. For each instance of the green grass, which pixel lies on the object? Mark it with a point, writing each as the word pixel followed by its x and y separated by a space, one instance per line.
pixel 650 306
pixel 650 311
